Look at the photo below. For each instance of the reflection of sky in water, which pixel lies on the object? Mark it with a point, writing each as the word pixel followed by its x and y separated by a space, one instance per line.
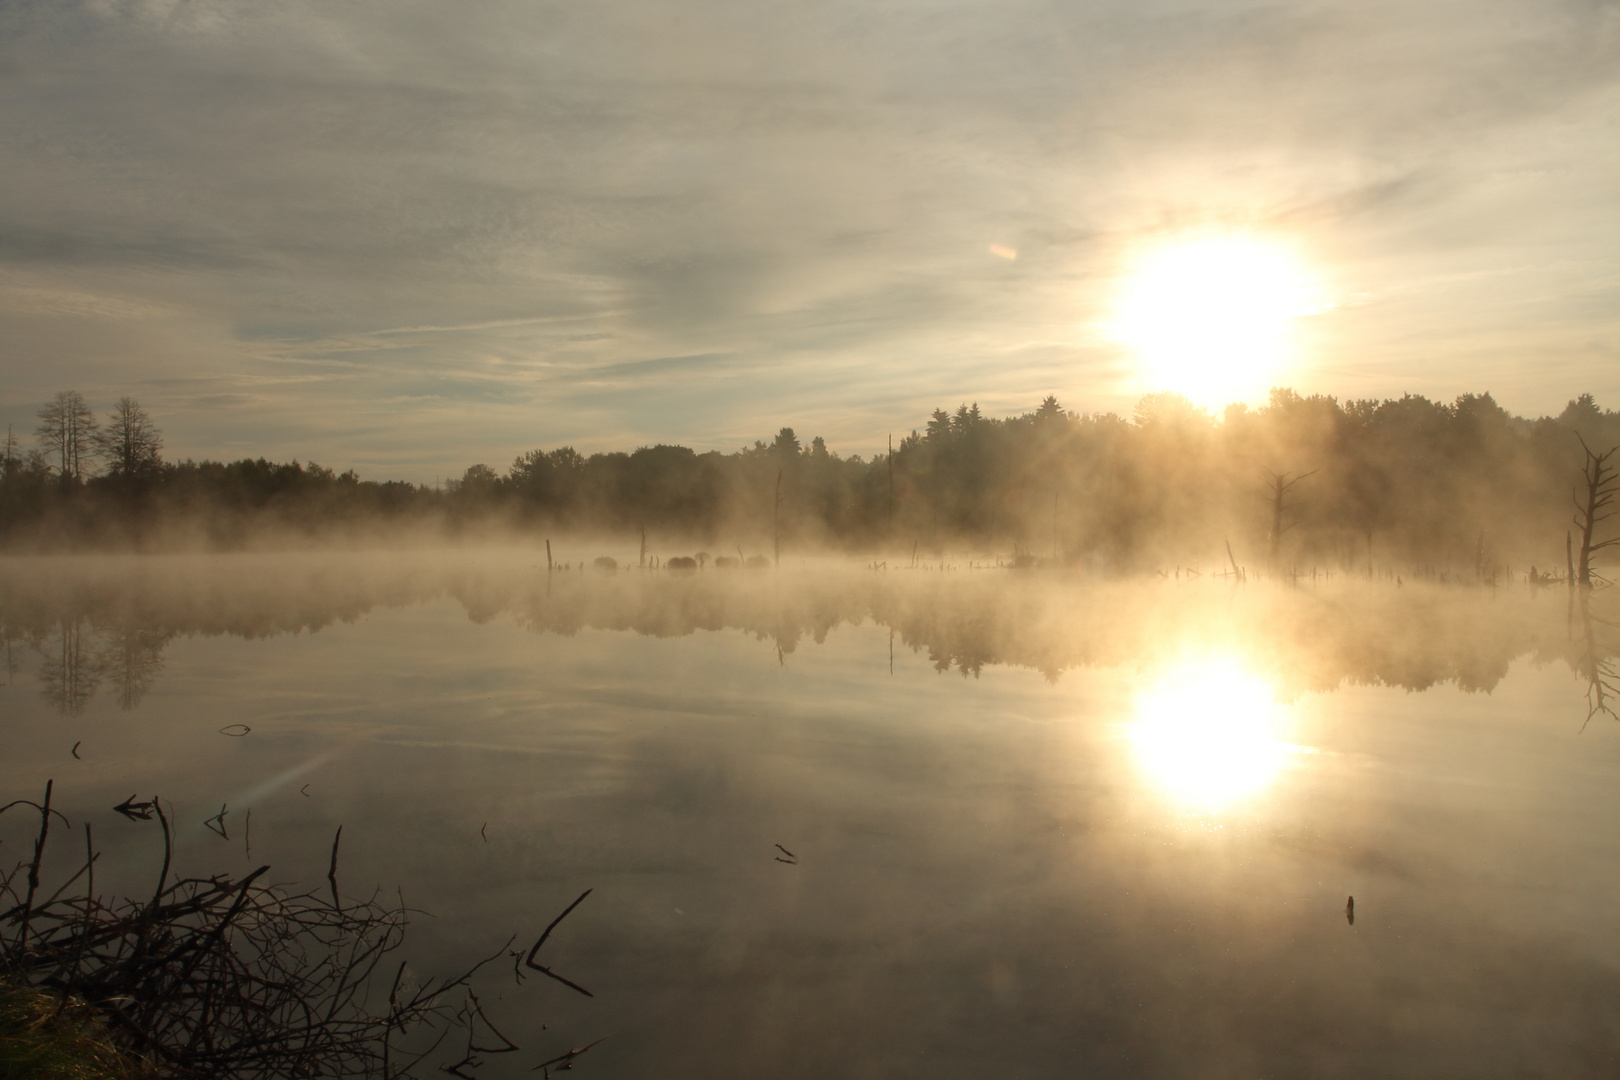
pixel 1208 732
pixel 987 880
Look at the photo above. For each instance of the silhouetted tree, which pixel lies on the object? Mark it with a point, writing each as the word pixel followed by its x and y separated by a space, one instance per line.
pixel 67 428
pixel 1583 415
pixel 130 443
pixel 479 484
pixel 1593 505
pixel 1278 485
pixel 786 445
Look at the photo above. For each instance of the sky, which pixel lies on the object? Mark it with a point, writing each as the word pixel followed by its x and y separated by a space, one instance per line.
pixel 403 237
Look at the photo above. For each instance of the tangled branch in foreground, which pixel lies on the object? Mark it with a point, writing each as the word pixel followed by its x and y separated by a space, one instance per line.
pixel 220 977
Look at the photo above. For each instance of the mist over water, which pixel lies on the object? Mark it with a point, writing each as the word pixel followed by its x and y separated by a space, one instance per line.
pixel 1041 824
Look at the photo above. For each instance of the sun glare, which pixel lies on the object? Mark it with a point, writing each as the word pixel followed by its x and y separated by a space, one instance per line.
pixel 1213 318
pixel 1208 733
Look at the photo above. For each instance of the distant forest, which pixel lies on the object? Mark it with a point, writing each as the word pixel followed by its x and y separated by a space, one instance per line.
pixel 1463 488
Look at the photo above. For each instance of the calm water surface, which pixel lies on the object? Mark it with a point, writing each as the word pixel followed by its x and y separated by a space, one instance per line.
pixel 1043 826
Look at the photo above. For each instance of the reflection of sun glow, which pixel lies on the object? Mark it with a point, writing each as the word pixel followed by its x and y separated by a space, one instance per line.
pixel 1209 733
pixel 1213 318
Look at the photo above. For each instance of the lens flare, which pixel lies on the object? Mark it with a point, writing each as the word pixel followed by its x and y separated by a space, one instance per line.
pixel 1208 733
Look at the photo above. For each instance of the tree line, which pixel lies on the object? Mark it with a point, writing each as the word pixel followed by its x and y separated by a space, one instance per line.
pixel 1460 488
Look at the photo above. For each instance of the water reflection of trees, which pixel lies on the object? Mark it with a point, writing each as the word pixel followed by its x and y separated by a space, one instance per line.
pixel 77 656
pixel 68 672
pixel 1597 661
pixel 132 658
pixel 92 624
pixel 96 625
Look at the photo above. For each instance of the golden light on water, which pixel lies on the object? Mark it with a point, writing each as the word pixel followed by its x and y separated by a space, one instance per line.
pixel 1213 318
pixel 1209 733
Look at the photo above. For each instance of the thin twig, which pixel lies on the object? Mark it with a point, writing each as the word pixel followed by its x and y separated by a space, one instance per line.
pixel 529 961
pixel 331 871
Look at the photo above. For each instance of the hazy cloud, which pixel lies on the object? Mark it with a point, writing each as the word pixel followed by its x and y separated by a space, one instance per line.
pixel 411 235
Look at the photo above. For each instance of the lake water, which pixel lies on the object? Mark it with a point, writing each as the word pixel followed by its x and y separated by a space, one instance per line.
pixel 1040 825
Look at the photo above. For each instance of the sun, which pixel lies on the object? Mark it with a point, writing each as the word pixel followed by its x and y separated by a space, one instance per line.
pixel 1213 317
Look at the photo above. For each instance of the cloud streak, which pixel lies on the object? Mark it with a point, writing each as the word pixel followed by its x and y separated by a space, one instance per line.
pixel 511 221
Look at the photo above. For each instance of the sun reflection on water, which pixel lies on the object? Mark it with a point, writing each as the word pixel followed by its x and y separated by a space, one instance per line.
pixel 1208 733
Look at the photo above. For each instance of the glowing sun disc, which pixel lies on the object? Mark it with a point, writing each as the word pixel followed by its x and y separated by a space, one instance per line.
pixel 1212 318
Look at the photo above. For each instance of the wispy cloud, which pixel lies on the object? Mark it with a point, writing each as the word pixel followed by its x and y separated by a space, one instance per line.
pixel 413 234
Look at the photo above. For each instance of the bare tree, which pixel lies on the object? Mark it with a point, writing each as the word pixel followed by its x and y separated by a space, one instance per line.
pixel 67 428
pixel 130 443
pixel 1278 485
pixel 1601 484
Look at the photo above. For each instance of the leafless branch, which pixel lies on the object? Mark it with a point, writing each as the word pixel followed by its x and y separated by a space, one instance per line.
pixel 221 977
